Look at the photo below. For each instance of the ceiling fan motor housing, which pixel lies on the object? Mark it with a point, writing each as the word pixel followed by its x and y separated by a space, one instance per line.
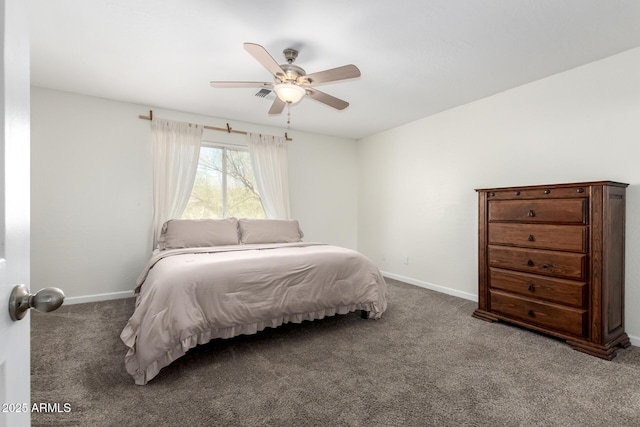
pixel 292 73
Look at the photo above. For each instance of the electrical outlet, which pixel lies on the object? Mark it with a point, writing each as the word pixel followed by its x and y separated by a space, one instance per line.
pixel 405 260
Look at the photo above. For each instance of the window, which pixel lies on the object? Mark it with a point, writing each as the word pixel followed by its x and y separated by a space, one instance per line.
pixel 224 186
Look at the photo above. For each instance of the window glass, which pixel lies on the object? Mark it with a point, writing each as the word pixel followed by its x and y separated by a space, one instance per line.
pixel 224 186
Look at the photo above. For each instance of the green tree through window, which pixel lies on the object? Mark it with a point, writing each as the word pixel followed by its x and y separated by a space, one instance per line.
pixel 224 186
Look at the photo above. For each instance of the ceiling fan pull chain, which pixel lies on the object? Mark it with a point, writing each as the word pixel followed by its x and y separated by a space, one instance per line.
pixel 288 115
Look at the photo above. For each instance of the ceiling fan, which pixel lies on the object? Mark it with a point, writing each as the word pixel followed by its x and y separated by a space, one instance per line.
pixel 291 83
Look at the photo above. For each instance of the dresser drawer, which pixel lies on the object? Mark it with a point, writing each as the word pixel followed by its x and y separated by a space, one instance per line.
pixel 571 238
pixel 569 320
pixel 566 211
pixel 566 292
pixel 551 192
pixel 559 264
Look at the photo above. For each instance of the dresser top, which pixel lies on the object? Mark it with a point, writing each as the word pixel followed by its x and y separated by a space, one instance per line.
pixel 572 184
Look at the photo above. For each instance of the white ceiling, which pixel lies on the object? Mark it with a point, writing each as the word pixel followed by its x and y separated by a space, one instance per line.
pixel 417 57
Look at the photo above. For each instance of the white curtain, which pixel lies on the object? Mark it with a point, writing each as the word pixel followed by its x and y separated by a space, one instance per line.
pixel 176 149
pixel 270 163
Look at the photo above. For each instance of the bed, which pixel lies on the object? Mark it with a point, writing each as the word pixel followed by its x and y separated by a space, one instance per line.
pixel 223 278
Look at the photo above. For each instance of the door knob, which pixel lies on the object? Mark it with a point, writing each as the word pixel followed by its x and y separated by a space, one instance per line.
pixel 47 299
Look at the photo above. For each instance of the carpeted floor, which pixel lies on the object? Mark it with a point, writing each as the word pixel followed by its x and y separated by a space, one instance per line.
pixel 426 362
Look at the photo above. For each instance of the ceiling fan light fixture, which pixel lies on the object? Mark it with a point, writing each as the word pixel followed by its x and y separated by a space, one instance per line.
pixel 290 93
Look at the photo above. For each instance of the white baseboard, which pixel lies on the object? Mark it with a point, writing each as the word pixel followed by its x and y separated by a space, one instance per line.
pixel 97 297
pixel 635 341
pixel 427 285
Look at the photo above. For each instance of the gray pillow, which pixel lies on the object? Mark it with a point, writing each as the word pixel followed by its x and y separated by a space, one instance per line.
pixel 269 231
pixel 194 233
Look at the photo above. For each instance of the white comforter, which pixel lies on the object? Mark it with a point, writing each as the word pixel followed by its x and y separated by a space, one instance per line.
pixel 190 296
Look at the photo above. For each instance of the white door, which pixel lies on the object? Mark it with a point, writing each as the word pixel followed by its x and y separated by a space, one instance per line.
pixel 14 210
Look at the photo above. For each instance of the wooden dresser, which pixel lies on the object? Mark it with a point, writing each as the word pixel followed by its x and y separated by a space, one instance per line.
pixel 551 258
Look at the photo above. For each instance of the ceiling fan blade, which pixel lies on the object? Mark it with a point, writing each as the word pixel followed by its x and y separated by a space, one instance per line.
pixel 341 73
pixel 263 57
pixel 240 84
pixel 331 101
pixel 277 106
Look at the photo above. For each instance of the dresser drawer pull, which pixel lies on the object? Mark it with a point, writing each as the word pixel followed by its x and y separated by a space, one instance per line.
pixel 580 190
pixel 530 238
pixel 546 266
pixel 531 313
pixel 531 288
pixel 547 191
pixel 517 193
pixel 530 213
pixel 530 263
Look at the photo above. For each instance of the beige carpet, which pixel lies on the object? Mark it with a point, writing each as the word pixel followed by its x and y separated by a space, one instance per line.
pixel 426 362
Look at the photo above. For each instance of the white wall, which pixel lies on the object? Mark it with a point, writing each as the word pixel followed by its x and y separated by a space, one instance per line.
pixel 91 190
pixel 416 182
pixel 323 182
pixel 90 193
